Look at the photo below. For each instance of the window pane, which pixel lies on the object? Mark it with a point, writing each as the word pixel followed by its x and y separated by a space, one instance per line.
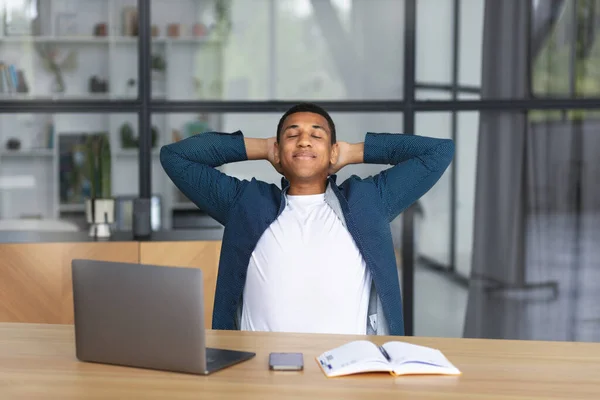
pixel 566 56
pixel 287 49
pixel 434 41
pixel 45 167
pixel 68 49
pixel 434 47
pixel 433 94
pixel 505 54
pixel 467 133
pixel 470 42
pixel 528 203
pixel 433 223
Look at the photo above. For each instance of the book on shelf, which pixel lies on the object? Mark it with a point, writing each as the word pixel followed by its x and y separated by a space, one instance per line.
pixel 12 80
pixel 397 358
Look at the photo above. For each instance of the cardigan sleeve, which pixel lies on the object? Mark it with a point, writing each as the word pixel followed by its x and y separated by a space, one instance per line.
pixel 417 162
pixel 191 165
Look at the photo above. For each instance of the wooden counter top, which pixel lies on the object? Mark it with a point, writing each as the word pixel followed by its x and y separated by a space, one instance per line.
pixel 208 234
pixel 38 362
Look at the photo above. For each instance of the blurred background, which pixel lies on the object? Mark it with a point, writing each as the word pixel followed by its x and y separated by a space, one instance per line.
pixel 502 247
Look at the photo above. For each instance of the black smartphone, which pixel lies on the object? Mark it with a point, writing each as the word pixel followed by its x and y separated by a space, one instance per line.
pixel 286 361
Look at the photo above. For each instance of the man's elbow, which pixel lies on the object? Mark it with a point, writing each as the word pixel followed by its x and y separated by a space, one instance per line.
pixel 447 147
pixel 445 152
pixel 167 159
pixel 439 157
pixel 164 155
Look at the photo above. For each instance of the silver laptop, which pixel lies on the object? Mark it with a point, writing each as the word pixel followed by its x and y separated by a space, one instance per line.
pixel 144 316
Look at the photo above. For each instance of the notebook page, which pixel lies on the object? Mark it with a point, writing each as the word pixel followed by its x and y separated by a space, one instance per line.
pixel 353 357
pixel 406 353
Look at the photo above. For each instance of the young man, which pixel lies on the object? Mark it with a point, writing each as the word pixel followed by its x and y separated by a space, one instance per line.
pixel 313 256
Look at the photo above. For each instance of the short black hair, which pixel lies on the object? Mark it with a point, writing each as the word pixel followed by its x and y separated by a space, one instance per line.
pixel 311 108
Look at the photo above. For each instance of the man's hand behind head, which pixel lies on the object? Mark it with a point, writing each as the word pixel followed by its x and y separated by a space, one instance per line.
pixel 342 159
pixel 348 153
pixel 271 149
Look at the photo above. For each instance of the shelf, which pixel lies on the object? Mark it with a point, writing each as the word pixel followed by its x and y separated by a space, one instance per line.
pixel 58 96
pixel 104 40
pixel 71 208
pixel 33 153
pixel 56 39
pixel 184 205
pixel 128 153
pixel 168 40
pixel 113 58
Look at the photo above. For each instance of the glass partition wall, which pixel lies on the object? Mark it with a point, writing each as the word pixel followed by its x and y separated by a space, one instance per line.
pixel 143 73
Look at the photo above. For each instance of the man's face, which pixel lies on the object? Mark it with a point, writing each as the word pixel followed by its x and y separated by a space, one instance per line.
pixel 304 149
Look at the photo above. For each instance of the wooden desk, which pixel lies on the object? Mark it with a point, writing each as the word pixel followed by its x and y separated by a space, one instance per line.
pixel 38 362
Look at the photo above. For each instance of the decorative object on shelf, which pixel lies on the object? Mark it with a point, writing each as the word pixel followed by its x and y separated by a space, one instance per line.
pixel 22 86
pixel 223 24
pixel 17 21
pixel 66 24
pixel 199 30
pixel 74 184
pixel 75 166
pixel 158 63
pixel 199 85
pixel 214 89
pixel 129 141
pixel 99 206
pixel 130 21
pixel 158 67
pixel 101 29
pixel 12 80
pixel 196 126
pixel 44 139
pixel 176 135
pixel 100 214
pixel 130 88
pixel 174 30
pixel 154 132
pixel 56 62
pixel 13 144
pixel 98 85
pixel 49 132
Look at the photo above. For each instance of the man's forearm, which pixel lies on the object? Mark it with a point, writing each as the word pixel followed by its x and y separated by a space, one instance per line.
pixel 256 149
pixel 394 149
pixel 356 153
pixel 210 148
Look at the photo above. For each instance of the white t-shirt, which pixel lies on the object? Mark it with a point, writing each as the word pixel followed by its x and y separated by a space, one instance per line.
pixel 306 274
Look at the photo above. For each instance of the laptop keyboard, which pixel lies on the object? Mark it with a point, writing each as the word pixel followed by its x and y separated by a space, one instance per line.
pixel 216 358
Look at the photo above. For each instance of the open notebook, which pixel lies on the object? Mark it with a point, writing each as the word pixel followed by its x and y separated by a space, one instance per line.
pixel 397 358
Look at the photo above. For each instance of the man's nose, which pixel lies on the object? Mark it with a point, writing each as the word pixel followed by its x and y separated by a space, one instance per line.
pixel 304 140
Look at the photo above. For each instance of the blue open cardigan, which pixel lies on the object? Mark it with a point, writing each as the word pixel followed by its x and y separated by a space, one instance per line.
pixel 366 206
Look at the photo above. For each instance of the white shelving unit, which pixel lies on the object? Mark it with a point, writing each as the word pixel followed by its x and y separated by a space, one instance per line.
pixel 193 72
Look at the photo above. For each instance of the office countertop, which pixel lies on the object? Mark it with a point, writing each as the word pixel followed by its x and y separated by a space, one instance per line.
pixel 212 233
pixel 39 361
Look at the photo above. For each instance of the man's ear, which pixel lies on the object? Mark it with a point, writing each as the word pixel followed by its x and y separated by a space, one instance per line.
pixel 276 153
pixel 335 154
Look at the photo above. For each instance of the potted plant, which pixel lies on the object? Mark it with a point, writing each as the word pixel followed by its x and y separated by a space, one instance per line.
pixel 100 206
